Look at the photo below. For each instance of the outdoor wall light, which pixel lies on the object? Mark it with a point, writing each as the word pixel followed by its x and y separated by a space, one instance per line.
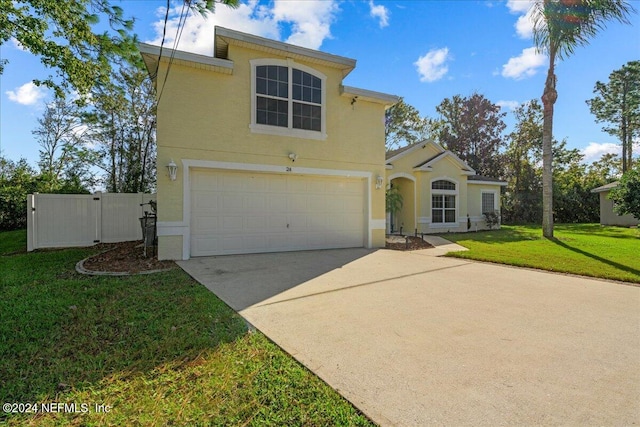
pixel 173 170
pixel 379 182
pixel 293 157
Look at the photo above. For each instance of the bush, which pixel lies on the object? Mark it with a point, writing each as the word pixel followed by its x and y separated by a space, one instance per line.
pixel 492 219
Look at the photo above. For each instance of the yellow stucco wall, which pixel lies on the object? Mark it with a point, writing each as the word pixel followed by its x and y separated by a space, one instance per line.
pixel 468 197
pixel 204 115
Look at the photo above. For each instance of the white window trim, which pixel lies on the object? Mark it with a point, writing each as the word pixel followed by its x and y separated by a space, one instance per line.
pixel 433 192
pixel 289 131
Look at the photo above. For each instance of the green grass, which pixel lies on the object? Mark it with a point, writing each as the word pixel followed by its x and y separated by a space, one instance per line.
pixel 13 241
pixel 158 349
pixel 584 249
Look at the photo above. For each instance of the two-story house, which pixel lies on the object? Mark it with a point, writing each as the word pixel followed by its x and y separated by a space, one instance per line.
pixel 261 148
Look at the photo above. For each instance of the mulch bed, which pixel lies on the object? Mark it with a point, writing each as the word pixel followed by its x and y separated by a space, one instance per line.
pixel 128 257
pixel 125 257
pixel 414 244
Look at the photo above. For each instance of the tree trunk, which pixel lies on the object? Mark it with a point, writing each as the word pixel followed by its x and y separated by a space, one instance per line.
pixel 549 98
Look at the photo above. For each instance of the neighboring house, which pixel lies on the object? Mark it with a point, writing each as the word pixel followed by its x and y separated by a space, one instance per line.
pixel 273 152
pixel 607 214
pixel 441 193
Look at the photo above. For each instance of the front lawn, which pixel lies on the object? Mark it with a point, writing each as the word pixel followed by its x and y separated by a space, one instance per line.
pixel 585 249
pixel 152 350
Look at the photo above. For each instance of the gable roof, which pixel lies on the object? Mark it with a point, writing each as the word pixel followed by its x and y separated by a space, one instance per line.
pixel 606 187
pixel 394 155
pixel 225 37
pixel 426 164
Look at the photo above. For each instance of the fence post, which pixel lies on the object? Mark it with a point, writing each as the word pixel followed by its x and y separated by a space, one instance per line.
pixel 97 209
pixel 31 222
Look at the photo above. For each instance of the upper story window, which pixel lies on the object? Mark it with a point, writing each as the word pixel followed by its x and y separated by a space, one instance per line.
pixel 443 185
pixel 287 99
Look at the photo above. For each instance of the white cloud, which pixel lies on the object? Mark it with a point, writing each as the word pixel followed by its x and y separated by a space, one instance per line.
pixel 18 45
pixel 27 94
pixel 525 65
pixel 309 23
pixel 380 12
pixel 594 151
pixel 509 105
pixel 432 66
pixel 519 6
pixel 310 20
pixel 524 24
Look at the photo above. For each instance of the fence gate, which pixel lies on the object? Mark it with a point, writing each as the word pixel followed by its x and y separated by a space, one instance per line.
pixel 65 220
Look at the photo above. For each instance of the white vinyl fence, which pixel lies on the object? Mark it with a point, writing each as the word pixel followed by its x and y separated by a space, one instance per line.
pixel 65 220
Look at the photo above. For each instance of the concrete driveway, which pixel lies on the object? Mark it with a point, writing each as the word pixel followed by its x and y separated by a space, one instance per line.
pixel 412 339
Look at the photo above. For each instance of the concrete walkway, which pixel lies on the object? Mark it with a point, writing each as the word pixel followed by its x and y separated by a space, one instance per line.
pixel 412 339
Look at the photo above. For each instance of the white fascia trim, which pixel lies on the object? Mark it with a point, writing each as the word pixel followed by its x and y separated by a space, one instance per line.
pixel 456 159
pixel 187 164
pixel 188 57
pixel 337 61
pixel 500 183
pixel 421 144
pixel 369 95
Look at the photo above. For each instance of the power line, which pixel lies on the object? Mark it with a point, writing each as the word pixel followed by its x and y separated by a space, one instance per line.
pixel 164 33
pixel 181 24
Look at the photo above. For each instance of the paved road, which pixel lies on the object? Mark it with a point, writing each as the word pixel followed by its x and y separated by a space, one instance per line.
pixel 412 339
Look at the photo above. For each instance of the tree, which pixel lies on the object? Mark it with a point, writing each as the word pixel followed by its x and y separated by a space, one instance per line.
pixel 64 35
pixel 522 201
pixel 63 155
pixel 403 125
pixel 17 179
pixel 559 27
pixel 472 127
pixel 123 128
pixel 393 202
pixel 626 195
pixel 618 103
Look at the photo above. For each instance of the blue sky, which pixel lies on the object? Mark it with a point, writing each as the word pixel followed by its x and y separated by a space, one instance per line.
pixel 424 51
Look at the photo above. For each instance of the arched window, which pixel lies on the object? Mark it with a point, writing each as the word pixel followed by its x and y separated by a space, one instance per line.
pixel 443 202
pixel 288 98
pixel 443 184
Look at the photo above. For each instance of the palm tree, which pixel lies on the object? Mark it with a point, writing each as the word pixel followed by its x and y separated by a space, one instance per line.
pixel 559 27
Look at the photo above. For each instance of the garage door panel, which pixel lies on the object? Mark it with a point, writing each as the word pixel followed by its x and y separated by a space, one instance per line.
pixel 276 183
pixel 298 203
pixel 255 223
pixel 232 224
pixel 206 225
pixel 254 202
pixel 277 203
pixel 231 203
pixel 237 212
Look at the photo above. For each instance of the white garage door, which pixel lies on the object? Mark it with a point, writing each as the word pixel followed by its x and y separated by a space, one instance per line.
pixel 239 212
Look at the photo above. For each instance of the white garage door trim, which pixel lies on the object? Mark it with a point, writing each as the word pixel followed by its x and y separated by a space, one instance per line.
pixel 184 227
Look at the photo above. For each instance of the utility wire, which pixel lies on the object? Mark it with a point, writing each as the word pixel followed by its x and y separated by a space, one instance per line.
pixel 181 24
pixel 164 33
